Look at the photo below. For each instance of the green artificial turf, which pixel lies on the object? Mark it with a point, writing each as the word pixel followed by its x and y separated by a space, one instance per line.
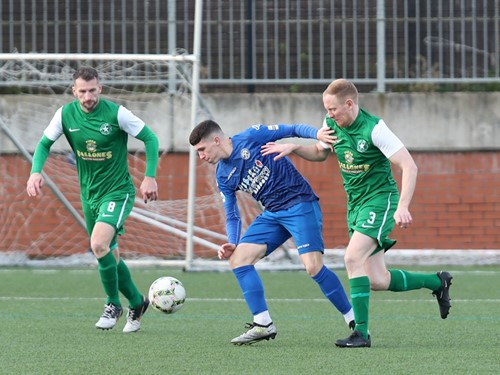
pixel 47 327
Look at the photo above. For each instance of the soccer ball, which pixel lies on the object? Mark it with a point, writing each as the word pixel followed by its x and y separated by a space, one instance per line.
pixel 167 294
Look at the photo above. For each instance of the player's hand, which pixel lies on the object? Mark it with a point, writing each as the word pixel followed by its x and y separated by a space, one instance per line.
pixel 282 149
pixel 403 217
pixel 327 136
pixel 34 184
pixel 226 250
pixel 149 189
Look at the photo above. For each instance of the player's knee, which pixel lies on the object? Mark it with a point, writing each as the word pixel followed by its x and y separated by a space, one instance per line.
pixel 352 262
pixel 245 255
pixel 376 286
pixel 313 262
pixel 99 249
pixel 234 263
pixel 313 269
pixel 240 262
pixel 378 282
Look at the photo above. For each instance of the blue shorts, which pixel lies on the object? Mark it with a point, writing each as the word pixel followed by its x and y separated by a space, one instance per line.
pixel 303 222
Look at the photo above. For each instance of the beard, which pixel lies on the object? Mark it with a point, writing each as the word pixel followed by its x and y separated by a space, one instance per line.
pixel 89 105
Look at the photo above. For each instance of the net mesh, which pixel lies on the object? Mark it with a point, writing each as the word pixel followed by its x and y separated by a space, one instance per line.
pixel 43 227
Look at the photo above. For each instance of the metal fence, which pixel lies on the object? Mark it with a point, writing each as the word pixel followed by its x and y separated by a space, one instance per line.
pixel 269 44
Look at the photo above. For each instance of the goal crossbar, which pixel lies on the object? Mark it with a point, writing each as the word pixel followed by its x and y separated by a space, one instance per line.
pixel 95 56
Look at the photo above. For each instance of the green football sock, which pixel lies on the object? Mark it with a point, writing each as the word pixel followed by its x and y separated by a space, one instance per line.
pixel 360 299
pixel 109 278
pixel 403 280
pixel 127 285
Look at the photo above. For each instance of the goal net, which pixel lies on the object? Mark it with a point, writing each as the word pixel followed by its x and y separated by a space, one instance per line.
pixel 50 229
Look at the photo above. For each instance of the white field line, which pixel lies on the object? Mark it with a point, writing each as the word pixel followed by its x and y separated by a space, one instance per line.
pixel 239 300
pixel 477 271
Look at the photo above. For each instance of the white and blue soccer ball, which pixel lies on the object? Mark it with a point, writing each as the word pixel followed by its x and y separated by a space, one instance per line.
pixel 167 294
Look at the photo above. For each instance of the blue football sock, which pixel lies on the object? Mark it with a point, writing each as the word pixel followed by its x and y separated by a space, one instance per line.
pixel 332 288
pixel 252 288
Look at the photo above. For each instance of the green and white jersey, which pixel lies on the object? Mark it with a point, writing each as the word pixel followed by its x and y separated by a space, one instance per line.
pixel 363 150
pixel 99 141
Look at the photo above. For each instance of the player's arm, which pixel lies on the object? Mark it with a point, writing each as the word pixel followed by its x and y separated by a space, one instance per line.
pixel 53 131
pixel 233 218
pixel 271 133
pixel 36 180
pixel 405 162
pixel 392 147
pixel 310 152
pixel 317 152
pixel 149 186
pixel 151 145
pixel 233 223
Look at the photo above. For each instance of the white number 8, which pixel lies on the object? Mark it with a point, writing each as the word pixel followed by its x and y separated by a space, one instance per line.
pixel 111 206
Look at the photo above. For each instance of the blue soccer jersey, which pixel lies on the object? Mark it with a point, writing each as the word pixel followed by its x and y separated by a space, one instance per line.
pixel 276 184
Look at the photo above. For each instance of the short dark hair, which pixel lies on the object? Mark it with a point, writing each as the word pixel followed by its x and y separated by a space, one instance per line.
pixel 86 73
pixel 203 130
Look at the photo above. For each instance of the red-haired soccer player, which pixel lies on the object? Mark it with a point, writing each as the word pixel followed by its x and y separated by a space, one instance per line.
pixel 365 148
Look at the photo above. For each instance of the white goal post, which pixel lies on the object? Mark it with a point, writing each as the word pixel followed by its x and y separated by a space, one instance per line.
pixel 198 16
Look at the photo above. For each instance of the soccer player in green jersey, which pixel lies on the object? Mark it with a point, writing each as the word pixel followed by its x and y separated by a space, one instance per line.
pixel 97 131
pixel 365 148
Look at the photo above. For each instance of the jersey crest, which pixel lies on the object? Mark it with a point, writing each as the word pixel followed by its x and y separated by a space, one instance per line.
pixel 362 145
pixel 245 154
pixel 105 129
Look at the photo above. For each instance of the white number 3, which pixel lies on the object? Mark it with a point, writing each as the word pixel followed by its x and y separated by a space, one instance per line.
pixel 371 220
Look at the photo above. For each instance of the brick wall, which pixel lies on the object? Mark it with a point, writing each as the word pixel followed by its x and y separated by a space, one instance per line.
pixel 456 204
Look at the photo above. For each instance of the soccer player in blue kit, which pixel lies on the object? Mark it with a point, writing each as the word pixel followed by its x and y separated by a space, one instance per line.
pixel 291 209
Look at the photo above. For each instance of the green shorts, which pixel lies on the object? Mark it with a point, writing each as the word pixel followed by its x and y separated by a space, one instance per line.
pixel 113 209
pixel 375 218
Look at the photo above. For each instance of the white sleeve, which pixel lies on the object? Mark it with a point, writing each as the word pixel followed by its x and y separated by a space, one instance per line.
pixel 55 129
pixel 386 140
pixel 129 122
pixel 323 144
